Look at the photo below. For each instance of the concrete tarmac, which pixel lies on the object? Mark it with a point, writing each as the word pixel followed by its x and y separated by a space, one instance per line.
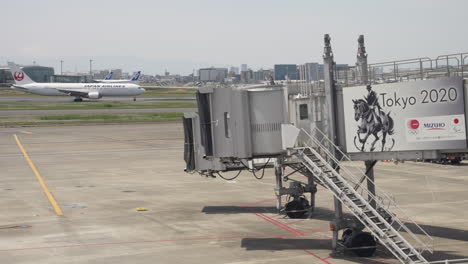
pixel 100 174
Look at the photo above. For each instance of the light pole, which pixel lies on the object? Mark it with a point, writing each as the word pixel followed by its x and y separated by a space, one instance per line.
pixel 61 67
pixel 90 67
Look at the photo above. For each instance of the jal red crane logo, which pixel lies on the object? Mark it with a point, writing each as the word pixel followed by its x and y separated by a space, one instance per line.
pixel 19 76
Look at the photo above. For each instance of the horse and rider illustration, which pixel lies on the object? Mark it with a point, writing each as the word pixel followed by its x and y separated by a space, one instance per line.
pixel 372 121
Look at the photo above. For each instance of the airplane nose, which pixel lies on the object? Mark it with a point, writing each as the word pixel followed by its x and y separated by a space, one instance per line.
pixel 142 90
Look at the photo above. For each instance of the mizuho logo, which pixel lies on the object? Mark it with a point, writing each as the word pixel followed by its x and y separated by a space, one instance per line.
pixel 440 125
pixel 19 76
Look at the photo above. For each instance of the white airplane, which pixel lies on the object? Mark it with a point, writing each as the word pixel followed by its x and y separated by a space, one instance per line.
pixel 108 77
pixel 78 90
pixel 133 80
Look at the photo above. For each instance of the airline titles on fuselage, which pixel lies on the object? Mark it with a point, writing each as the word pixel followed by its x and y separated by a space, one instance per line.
pixel 104 86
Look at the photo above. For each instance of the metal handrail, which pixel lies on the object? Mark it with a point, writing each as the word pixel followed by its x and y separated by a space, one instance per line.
pixel 450 261
pixel 391 202
pixel 427 68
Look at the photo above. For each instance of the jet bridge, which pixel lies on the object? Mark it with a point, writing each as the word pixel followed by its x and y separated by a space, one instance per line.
pixel 317 129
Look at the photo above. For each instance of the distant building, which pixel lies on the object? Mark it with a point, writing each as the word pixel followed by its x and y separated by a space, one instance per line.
pixel 69 78
pixel 244 67
pixel 246 76
pixel 283 71
pixel 5 75
pixel 311 71
pixel 233 70
pixel 101 75
pixel 39 74
pixel 117 74
pixel 258 76
pixel 212 74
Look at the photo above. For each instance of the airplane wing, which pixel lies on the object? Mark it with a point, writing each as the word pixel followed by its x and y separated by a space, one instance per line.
pixel 73 93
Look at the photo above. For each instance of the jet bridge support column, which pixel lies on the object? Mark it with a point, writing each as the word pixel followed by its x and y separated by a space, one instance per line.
pixel 279 182
pixel 361 65
pixel 329 121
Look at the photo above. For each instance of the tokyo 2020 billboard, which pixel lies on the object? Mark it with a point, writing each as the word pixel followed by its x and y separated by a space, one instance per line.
pixel 419 115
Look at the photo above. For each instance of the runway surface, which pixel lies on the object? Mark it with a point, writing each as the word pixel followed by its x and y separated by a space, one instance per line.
pixel 45 99
pixel 95 111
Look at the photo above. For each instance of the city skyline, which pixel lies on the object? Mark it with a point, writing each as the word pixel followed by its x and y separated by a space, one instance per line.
pixel 182 36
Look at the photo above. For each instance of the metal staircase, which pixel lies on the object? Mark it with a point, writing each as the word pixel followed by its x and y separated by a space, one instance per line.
pixel 386 221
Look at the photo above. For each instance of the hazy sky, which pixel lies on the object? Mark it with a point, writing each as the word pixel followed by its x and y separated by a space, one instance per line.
pixel 184 35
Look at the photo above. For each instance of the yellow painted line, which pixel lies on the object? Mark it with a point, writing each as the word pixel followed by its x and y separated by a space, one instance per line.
pixel 51 198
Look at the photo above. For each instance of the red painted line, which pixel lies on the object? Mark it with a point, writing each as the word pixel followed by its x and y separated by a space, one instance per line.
pixel 316 256
pixel 280 225
pixel 273 221
pixel 310 252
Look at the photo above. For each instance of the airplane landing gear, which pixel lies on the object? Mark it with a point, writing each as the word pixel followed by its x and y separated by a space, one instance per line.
pixel 134 99
pixel 78 99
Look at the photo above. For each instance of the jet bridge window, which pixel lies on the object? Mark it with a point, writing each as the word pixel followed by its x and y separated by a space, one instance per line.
pixel 303 112
pixel 227 120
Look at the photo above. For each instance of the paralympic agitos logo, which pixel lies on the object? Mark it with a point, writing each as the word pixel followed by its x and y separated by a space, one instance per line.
pixel 19 76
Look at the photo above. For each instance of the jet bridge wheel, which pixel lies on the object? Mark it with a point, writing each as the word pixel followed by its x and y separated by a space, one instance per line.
pixel 362 244
pixel 297 208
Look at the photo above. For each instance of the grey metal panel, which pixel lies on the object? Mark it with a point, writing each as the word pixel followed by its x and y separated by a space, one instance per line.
pixel 340 123
pixel 295 118
pixel 201 162
pixel 465 84
pixel 240 124
pixel 268 110
pixel 396 155
pixel 221 109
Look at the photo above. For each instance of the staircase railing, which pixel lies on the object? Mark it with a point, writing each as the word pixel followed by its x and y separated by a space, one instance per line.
pixel 386 204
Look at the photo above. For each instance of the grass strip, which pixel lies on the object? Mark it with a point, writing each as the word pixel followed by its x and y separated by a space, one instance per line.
pixel 92 105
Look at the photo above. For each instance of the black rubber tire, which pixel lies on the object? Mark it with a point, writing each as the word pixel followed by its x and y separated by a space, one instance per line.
pixel 363 244
pixel 297 208
pixel 347 234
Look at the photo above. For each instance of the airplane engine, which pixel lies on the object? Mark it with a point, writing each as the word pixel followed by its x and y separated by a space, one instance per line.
pixel 94 95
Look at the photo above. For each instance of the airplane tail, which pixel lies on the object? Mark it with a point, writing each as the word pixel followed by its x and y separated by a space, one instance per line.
pixel 19 75
pixel 136 77
pixel 109 76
